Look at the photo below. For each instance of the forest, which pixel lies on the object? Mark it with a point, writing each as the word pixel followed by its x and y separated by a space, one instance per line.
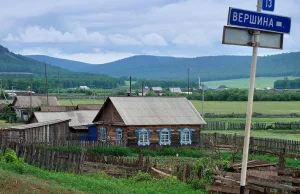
pixel 287 84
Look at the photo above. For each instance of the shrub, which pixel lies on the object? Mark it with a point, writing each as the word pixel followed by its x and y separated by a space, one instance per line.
pixel 141 176
pixel 10 156
pixel 111 151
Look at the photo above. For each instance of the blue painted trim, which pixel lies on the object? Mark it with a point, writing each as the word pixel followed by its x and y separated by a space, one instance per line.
pixel 169 136
pixel 139 131
pixel 184 142
pixel 103 134
pixel 119 140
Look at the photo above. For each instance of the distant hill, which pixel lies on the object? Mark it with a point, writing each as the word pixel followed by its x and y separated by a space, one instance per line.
pixel 63 63
pixel 210 68
pixel 11 62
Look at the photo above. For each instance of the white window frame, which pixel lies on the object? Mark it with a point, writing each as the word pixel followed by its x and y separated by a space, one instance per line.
pixel 103 134
pixel 143 136
pixel 165 139
pixel 119 136
pixel 186 136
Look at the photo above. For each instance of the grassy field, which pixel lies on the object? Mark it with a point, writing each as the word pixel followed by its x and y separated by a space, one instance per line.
pixel 28 179
pixel 275 134
pixel 224 107
pixel 256 120
pixel 221 107
pixel 260 82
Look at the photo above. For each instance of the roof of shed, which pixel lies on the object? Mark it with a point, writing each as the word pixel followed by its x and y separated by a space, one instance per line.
pixel 156 89
pixel 24 101
pixel 175 90
pixel 41 124
pixel 89 106
pixel 155 111
pixel 82 117
pixel 57 108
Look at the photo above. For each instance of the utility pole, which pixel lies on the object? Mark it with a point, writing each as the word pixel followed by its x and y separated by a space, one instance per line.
pixel 250 106
pixel 58 80
pixel 202 100
pixel 142 88
pixel 46 83
pixel 188 81
pixel 30 97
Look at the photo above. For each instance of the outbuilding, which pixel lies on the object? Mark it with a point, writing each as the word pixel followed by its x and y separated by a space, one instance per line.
pixel 48 131
pixel 149 121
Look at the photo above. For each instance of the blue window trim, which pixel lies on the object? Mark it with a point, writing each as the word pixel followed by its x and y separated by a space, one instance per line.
pixel 119 141
pixel 138 131
pixel 189 142
pixel 103 134
pixel 160 136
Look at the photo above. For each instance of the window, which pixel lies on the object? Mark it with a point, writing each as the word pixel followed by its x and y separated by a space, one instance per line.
pixel 103 134
pixel 119 136
pixel 186 136
pixel 164 136
pixel 143 136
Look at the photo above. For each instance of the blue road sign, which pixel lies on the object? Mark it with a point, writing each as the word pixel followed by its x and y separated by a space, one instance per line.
pixel 268 5
pixel 260 21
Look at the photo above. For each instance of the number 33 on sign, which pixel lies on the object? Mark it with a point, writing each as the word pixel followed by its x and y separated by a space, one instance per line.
pixel 268 5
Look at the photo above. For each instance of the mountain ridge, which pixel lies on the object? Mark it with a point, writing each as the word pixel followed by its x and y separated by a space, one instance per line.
pixel 209 67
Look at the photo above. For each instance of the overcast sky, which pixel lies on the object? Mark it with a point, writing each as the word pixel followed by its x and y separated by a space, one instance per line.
pixel 99 31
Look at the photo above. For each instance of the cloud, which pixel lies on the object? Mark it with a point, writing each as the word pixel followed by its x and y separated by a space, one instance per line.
pixel 120 39
pixel 36 34
pixel 153 39
pixel 97 56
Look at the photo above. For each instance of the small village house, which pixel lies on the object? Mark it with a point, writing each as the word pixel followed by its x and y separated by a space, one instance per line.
pixel 175 90
pixel 23 104
pixel 149 121
pixel 157 90
pixel 78 126
pixel 48 131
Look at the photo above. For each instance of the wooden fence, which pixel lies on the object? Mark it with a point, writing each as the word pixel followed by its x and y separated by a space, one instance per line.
pixel 256 143
pixel 223 125
pixel 48 159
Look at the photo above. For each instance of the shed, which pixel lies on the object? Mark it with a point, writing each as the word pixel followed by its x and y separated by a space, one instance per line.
pixel 89 106
pixel 78 124
pixel 149 121
pixel 57 108
pixel 22 104
pixel 54 130
pixel 175 90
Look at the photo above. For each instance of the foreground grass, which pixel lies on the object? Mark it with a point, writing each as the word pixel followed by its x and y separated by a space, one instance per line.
pixel 272 134
pixel 56 182
pixel 267 107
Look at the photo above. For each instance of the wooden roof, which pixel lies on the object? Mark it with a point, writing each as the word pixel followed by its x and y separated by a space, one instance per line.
pixel 154 111
pixel 24 101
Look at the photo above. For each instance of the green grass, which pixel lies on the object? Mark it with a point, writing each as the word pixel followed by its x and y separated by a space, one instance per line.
pixel 268 107
pixel 256 120
pixel 273 134
pixel 260 82
pixel 3 124
pixel 89 183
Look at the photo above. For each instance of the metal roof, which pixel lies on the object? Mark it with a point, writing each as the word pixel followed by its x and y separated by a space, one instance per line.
pixel 24 101
pixel 175 90
pixel 57 108
pixel 41 124
pixel 156 111
pixel 82 117
pixel 156 89
pixel 89 106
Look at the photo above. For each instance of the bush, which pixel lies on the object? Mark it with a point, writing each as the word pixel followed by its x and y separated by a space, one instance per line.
pixel 141 176
pixel 10 156
pixel 111 151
